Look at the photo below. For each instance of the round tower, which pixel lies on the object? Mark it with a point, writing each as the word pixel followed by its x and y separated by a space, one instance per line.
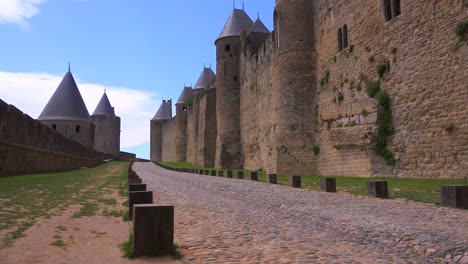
pixel 163 115
pixel 180 133
pixel 228 145
pixel 66 112
pixel 294 86
pixel 107 131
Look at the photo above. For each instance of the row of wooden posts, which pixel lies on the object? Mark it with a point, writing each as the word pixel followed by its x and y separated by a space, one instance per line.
pixel 152 225
pixel 455 196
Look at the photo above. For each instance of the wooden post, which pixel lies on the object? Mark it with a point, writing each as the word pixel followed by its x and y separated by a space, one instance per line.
pixel 254 176
pixel 294 181
pixel 240 175
pixel 378 189
pixel 137 187
pixel 153 230
pixel 328 184
pixel 134 180
pixel 213 173
pixel 221 173
pixel 229 174
pixel 272 178
pixel 144 197
pixel 455 196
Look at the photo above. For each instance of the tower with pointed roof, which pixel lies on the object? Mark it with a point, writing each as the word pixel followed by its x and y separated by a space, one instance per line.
pixel 66 112
pixel 180 133
pixel 107 128
pixel 228 144
pixel 163 115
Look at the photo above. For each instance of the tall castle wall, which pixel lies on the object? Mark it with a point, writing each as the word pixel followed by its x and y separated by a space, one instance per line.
pixel 426 82
pixel 107 134
pixel 168 140
pixel 29 146
pixel 192 129
pixel 207 130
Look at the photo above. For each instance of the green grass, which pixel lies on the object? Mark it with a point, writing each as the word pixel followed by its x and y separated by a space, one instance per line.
pixel 58 243
pixel 26 198
pixel 127 247
pixel 419 190
pixel 61 228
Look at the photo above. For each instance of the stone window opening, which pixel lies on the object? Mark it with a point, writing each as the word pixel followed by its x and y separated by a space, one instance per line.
pixel 277 30
pixel 343 41
pixel 235 78
pixel 184 109
pixel 392 9
pixel 345 36
pixel 78 128
pixel 340 40
pixel 54 126
pixel 227 48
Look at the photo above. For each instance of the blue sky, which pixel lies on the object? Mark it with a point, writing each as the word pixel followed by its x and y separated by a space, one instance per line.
pixel 141 50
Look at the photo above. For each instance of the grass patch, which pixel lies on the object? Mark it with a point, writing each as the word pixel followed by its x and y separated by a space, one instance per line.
pixel 58 243
pixel 114 213
pixel 61 228
pixel 127 247
pixel 88 209
pixel 107 201
pixel 126 216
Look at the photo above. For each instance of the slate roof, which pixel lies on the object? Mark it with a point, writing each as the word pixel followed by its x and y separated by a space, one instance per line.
pixel 164 112
pixel 185 95
pixel 259 27
pixel 104 107
pixel 205 78
pixel 238 21
pixel 66 103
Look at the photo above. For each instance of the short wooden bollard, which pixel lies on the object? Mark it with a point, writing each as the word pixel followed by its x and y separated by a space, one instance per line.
pixel 378 189
pixel 294 181
pixel 132 175
pixel 207 172
pixel 213 173
pixel 144 197
pixel 455 196
pixel 200 172
pixel 272 178
pixel 229 174
pixel 134 180
pixel 153 230
pixel 240 175
pixel 137 187
pixel 254 176
pixel 328 184
pixel 221 173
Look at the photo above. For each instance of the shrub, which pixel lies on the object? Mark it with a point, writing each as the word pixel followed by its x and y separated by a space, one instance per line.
pixel 385 127
pixel 373 87
pixel 364 112
pixel 371 59
pixel 327 75
pixel 462 30
pixel 381 69
pixel 450 128
pixel 316 150
pixel 340 97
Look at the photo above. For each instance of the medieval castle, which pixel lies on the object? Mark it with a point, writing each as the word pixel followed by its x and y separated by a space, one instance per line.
pixel 353 88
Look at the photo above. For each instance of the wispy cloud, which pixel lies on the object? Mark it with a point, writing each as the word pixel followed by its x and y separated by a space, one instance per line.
pixel 18 11
pixel 30 92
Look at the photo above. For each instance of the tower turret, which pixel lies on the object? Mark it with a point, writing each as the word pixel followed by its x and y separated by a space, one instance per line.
pixel 180 138
pixel 107 131
pixel 163 115
pixel 228 146
pixel 66 112
pixel 294 86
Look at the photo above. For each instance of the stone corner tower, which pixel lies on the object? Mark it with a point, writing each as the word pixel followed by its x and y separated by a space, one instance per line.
pixel 294 87
pixel 228 143
pixel 107 131
pixel 163 115
pixel 180 131
pixel 66 112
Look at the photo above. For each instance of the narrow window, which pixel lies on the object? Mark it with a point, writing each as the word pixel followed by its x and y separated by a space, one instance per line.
pixel 340 40
pixel 396 8
pixel 277 30
pixel 228 47
pixel 387 10
pixel 235 78
pixel 345 36
pixel 78 128
pixel 54 126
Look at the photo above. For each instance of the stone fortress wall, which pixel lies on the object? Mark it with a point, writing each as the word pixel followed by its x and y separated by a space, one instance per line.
pixel 303 101
pixel 29 146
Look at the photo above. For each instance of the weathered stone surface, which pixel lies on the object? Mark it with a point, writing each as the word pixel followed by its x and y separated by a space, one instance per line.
pixel 143 197
pixel 153 230
pixel 137 187
pixel 272 178
pixel 134 180
pixel 328 184
pixel 294 181
pixel 455 196
pixel 377 189
pixel 254 176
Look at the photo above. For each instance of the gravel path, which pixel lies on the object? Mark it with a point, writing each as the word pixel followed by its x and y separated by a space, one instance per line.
pixel 220 220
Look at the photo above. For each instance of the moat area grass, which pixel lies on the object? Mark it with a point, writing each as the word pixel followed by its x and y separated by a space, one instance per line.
pixel 26 198
pixel 419 190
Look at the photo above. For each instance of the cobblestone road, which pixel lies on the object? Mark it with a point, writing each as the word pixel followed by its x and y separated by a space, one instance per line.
pixel 220 220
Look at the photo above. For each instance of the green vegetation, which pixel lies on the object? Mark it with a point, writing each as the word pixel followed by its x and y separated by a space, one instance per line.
pixel 27 198
pixel 61 228
pixel 364 112
pixel 189 101
pixel 450 128
pixel 381 69
pixel 385 128
pixel 394 50
pixel 127 247
pixel 58 243
pixel 316 150
pixel 371 59
pixel 373 87
pixel 340 97
pixel 462 31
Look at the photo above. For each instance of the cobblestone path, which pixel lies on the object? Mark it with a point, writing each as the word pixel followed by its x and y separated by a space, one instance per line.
pixel 220 220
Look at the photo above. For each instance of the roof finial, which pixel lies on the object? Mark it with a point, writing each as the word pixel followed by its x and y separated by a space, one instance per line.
pixel 210 65
pixel 258 15
pixel 204 66
pixel 233 4
pixel 69 67
pixel 243 5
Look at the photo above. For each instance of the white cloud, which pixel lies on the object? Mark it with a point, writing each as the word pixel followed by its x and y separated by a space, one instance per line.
pixel 30 92
pixel 18 11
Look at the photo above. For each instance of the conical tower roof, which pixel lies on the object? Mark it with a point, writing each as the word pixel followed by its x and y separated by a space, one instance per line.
pixel 205 78
pixel 164 112
pixel 185 95
pixel 238 21
pixel 259 27
pixel 104 107
pixel 66 103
